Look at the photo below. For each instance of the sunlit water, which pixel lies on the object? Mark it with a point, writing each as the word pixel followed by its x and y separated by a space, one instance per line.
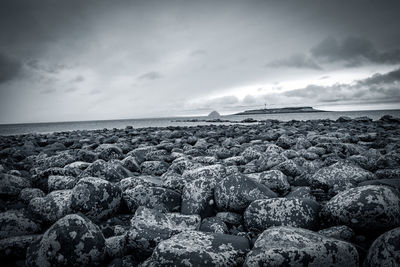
pixel 11 129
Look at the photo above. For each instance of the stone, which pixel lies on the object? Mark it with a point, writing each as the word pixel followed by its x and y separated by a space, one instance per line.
pixel 193 248
pixel 15 247
pixel 197 197
pixel 59 182
pixel 52 207
pixel 27 194
pixel 341 232
pixel 236 192
pixel 11 185
pixel 365 208
pixel 154 167
pixel 111 171
pixel 385 250
pixel 16 223
pixel 264 213
pixel 289 246
pixel 96 198
pixel 230 218
pixel 131 164
pixel 274 180
pixel 214 225
pixel 152 197
pixel 72 241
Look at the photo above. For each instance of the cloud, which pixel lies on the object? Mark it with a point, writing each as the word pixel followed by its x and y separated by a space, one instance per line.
pixel 198 52
pixel 152 75
pixel 354 51
pixel 78 79
pixel 9 68
pixel 299 61
pixel 48 91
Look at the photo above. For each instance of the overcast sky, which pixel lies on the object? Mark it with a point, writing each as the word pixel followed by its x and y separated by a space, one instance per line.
pixel 83 60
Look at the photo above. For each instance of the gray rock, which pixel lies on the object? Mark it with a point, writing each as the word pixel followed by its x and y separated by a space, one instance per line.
pixel 289 246
pixel 194 248
pixel 197 197
pixel 15 247
pixel 52 207
pixel 131 164
pixel 365 208
pixel 109 151
pixel 301 192
pixel 154 167
pixel 230 218
pixel 341 232
pixel 236 192
pixel 274 180
pixel 152 197
pixel 213 225
pixel 71 241
pixel 385 251
pixel 96 198
pixel 11 185
pixel 16 223
pixel 111 171
pixel 27 194
pixel 265 213
pixel 58 182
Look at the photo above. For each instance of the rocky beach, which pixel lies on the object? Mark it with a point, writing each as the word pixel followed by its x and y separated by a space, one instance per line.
pixel 271 193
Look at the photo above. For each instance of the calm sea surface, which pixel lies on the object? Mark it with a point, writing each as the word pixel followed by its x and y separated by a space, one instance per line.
pixel 12 129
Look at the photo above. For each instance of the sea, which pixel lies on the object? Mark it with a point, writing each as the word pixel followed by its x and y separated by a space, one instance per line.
pixel 49 127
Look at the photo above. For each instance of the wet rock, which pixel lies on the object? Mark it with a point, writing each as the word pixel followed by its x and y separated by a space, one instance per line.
pixel 71 241
pixel 265 213
pixel 385 251
pixel 16 223
pixel 365 208
pixel 96 198
pixel 27 194
pixel 52 207
pixel 15 247
pixel 236 192
pixel 198 248
pixel 11 185
pixel 289 246
pixel 341 232
pixel 154 167
pixel 340 176
pixel 59 182
pixel 152 197
pixel 111 171
pixel 213 225
pixel 274 180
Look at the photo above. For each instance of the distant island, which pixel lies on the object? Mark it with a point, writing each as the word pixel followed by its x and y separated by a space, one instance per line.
pixel 280 110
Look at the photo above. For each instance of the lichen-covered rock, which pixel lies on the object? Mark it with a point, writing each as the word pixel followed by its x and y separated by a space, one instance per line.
pixel 71 241
pixel 395 183
pixel 59 160
pixel 216 172
pixel 111 171
pixel 268 161
pixel 274 180
pixel 96 198
pixel 58 182
pixel 192 248
pixel 16 223
pixel 289 246
pixel 27 194
pixel 214 225
pixel 152 197
pixel 116 246
pixel 109 151
pixel 52 207
pixel 342 232
pixel 15 247
pixel 197 197
pixel 264 213
pixel 385 251
pixel 154 167
pixel 340 176
pixel 131 164
pixel 301 192
pixel 141 152
pixel 11 185
pixel 365 208
pixel 289 168
pixel 236 192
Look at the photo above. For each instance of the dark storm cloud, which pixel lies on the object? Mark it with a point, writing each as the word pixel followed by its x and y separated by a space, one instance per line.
pixel 299 61
pixel 152 75
pixel 9 68
pixel 354 51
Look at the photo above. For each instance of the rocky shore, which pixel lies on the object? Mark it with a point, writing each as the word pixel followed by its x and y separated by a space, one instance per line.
pixel 297 193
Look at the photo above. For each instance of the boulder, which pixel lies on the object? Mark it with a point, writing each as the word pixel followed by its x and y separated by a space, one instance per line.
pixel 111 171
pixel 71 241
pixel 193 248
pixel 274 180
pixel 11 185
pixel 365 208
pixel 154 167
pixel 341 232
pixel 96 198
pixel 59 182
pixel 385 251
pixel 289 246
pixel 296 212
pixel 27 194
pixel 15 247
pixel 237 191
pixel 197 197
pixel 52 207
pixel 16 223
pixel 213 225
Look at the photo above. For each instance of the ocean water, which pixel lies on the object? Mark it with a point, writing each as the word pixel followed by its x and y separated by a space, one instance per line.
pixel 13 129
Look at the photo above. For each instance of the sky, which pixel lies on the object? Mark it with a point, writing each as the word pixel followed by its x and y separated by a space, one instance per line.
pixel 102 59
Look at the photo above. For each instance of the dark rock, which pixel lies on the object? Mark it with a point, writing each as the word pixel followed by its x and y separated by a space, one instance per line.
pixel 15 247
pixel 274 180
pixel 96 198
pixel 154 167
pixel 230 218
pixel 11 185
pixel 197 197
pixel 213 225
pixel 289 246
pixel 236 192
pixel 341 232
pixel 27 194
pixel 385 251
pixel 110 171
pixel 365 208
pixel 71 241
pixel 58 182
pixel 16 223
pixel 265 213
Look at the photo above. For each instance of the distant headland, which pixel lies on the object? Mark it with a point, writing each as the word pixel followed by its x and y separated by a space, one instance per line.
pixel 280 110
